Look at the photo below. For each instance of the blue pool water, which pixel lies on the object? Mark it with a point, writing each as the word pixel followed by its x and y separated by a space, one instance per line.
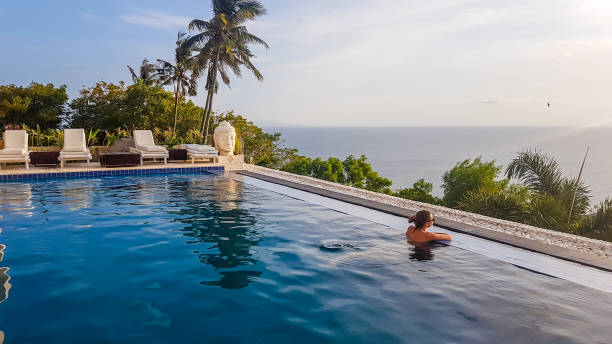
pixel 203 258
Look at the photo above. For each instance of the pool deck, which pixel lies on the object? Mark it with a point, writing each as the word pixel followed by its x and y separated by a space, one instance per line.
pixel 582 250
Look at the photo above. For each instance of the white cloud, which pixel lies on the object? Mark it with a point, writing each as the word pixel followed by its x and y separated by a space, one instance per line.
pixel 87 16
pixel 156 20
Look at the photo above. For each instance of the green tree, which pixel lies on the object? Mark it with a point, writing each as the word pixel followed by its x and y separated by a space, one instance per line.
pixel 100 106
pixel 36 104
pixel 146 74
pixel 330 170
pixel 223 43
pixel 299 165
pixel 353 172
pixel 108 106
pixel 178 74
pixel 420 191
pixel 469 176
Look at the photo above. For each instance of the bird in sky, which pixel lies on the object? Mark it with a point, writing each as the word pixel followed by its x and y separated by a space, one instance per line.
pixel 548 104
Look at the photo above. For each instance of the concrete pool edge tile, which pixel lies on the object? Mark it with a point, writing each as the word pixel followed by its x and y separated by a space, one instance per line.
pixel 579 255
pixel 93 170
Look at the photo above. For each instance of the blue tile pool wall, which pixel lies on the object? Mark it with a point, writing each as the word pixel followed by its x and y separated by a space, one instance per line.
pixel 101 173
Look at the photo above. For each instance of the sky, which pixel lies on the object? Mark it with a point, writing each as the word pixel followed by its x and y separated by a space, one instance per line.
pixel 347 62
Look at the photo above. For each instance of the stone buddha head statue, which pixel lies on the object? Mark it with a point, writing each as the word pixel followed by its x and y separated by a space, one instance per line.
pixel 225 138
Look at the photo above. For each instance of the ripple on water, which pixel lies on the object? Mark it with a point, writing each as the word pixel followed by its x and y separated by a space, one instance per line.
pixel 342 246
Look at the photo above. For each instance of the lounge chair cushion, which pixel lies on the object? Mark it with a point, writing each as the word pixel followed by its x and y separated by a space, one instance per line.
pixel 74 140
pixel 76 155
pixel 16 139
pixel 192 153
pixel 74 149
pixel 13 151
pixel 200 148
pixel 143 138
pixel 74 137
pixel 152 148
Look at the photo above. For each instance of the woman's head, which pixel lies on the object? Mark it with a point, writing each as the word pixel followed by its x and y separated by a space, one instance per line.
pixel 422 219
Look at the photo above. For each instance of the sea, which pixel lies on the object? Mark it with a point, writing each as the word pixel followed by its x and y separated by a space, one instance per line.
pixel 406 154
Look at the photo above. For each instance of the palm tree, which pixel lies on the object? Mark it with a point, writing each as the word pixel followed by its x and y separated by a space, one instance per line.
pixel 541 173
pixel 177 74
pixel 146 73
pixel 223 45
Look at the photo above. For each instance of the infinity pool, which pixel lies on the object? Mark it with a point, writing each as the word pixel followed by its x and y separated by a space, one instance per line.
pixel 203 258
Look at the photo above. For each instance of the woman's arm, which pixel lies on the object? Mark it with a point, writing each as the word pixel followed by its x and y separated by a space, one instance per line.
pixel 438 236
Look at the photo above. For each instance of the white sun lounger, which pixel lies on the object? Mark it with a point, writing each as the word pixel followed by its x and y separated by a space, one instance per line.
pixel 15 147
pixel 146 147
pixel 75 147
pixel 202 152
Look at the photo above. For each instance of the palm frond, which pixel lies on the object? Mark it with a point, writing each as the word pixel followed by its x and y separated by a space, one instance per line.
pixel 133 73
pixel 538 171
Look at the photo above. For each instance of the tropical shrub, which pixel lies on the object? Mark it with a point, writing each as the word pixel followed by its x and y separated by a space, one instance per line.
pixel 353 172
pixel 502 204
pixel 598 224
pixel 469 176
pixel 541 174
pixel 193 136
pixel 39 137
pixel 420 191
pixel 545 211
pixel 111 136
pixel 299 165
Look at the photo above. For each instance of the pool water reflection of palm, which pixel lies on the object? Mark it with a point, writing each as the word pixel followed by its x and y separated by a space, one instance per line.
pixel 222 222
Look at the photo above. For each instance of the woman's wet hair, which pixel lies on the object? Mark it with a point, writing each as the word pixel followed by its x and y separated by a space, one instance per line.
pixel 420 218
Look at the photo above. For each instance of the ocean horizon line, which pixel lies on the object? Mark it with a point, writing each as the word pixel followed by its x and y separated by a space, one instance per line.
pixel 434 126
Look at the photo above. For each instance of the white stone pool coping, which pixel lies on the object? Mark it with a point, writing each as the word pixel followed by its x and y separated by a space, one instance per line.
pixel 592 247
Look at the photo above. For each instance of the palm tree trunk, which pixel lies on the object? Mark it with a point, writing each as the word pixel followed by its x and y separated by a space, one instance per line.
pixel 207 126
pixel 206 110
pixel 176 95
pixel 208 95
pixel 211 92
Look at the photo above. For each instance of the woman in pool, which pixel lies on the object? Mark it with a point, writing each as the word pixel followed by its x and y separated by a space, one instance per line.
pixel 418 232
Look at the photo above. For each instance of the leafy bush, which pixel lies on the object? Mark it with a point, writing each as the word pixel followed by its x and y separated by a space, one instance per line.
pixel 469 176
pixel 118 133
pixel 598 224
pixel 193 136
pixel 420 191
pixel 545 211
pixel 353 172
pixel 49 137
pixel 508 204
